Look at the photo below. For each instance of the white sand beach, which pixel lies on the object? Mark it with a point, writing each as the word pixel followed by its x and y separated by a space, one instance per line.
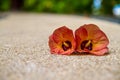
pixel 25 55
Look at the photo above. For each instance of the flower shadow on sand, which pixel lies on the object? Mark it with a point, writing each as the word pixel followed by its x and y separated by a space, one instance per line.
pixel 86 53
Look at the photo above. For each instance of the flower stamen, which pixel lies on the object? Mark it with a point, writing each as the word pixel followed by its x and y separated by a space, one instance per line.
pixel 86 44
pixel 66 45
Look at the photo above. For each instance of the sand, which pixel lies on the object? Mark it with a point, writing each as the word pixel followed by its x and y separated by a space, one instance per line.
pixel 25 55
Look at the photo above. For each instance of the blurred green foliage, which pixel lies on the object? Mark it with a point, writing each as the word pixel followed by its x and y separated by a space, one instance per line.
pixel 4 5
pixel 61 6
pixel 58 6
pixel 107 6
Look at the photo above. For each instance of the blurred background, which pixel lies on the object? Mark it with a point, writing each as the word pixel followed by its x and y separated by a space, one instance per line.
pixel 106 8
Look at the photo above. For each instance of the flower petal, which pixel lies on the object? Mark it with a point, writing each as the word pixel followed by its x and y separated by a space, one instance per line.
pixel 89 38
pixel 62 41
pixel 100 40
pixel 91 29
pixel 98 37
pixel 100 52
pixel 80 35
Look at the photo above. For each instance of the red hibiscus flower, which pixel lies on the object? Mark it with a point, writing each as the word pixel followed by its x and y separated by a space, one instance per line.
pixel 62 41
pixel 89 38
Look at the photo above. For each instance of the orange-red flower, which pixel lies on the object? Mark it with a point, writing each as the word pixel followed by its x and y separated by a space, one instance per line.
pixel 89 38
pixel 62 41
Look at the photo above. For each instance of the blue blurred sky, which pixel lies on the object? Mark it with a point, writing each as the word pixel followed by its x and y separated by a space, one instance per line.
pixel 97 4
